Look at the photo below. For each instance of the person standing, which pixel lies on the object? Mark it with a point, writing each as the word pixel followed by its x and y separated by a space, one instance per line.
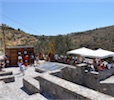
pixel 37 59
pixel 21 66
pixel 19 56
pixel 32 58
pixel 56 57
pixel 26 59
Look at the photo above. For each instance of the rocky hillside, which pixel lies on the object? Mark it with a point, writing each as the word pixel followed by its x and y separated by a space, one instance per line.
pixel 17 37
pixel 97 38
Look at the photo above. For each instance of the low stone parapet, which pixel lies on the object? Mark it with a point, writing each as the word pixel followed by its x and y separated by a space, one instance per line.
pixel 104 74
pixel 31 85
pixel 7 79
pixel 36 96
pixel 62 89
pixel 2 73
pixel 40 70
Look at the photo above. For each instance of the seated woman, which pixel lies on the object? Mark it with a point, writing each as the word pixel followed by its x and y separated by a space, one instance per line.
pixel 99 68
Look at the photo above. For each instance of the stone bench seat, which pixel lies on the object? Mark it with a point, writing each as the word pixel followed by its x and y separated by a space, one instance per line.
pixel 40 70
pixel 7 79
pixel 109 80
pixel 6 73
pixel 36 96
pixel 1 84
pixel 31 85
pixel 62 89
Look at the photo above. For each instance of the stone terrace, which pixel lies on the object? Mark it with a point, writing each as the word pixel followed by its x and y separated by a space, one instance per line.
pixel 47 82
pixel 14 90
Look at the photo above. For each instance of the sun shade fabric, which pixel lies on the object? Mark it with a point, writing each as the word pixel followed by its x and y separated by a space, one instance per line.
pixel 99 53
pixel 81 51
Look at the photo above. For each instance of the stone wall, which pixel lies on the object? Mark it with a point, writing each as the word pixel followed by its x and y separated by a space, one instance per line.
pixel 107 88
pixel 106 73
pixel 71 73
pixel 88 79
pixel 62 89
pixel 91 80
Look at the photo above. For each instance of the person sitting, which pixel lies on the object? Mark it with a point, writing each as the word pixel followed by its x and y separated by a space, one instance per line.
pixel 95 65
pixel 109 65
pixel 112 64
pixel 99 67
pixel 103 66
pixel 92 67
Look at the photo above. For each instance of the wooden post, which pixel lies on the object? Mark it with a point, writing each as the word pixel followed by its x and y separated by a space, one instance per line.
pixel 4 39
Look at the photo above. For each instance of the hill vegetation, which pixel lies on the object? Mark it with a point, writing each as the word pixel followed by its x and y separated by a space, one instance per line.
pixel 96 38
pixel 17 37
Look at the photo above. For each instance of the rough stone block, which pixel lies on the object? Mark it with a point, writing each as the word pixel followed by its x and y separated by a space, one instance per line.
pixel 6 73
pixel 7 79
pixel 63 89
pixel 40 70
pixel 31 85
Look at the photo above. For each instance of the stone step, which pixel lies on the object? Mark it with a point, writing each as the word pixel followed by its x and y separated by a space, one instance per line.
pixel 109 80
pixel 2 73
pixel 31 85
pixel 36 96
pixel 1 84
pixel 63 89
pixel 40 70
pixel 7 79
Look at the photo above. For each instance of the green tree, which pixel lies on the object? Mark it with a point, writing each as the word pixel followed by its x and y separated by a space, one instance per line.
pixel 63 44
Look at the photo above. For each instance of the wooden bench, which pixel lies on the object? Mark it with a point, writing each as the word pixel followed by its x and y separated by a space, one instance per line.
pixel 31 85
pixel 7 79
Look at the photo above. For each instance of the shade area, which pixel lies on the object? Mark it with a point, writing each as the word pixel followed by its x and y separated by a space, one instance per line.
pixel 99 53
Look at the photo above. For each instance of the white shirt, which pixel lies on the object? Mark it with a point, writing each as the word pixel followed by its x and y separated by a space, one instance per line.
pixel 109 66
pixel 19 57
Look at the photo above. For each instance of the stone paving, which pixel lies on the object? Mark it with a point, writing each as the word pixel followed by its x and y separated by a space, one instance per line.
pixel 14 90
pixel 108 80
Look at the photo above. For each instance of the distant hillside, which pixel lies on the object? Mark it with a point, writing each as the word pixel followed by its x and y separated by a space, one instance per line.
pixel 97 38
pixel 17 37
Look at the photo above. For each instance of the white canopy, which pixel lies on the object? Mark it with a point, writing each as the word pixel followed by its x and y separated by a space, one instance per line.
pixel 81 51
pixel 99 53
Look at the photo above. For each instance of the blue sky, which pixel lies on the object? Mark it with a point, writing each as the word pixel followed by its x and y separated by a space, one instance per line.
pixel 53 17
